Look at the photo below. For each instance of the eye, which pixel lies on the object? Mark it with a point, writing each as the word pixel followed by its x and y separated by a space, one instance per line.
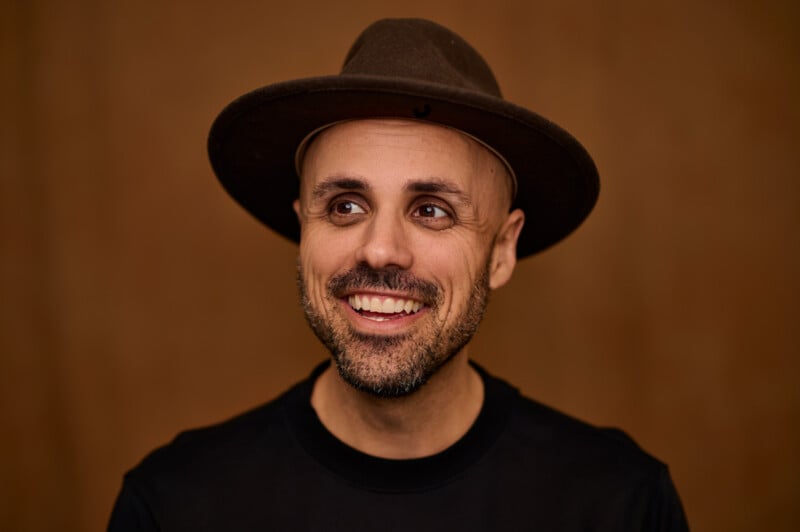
pixel 343 211
pixel 432 216
pixel 430 211
pixel 346 207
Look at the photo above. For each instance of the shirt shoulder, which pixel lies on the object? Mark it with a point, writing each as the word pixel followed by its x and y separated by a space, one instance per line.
pixel 174 485
pixel 547 429
pixel 244 433
pixel 598 477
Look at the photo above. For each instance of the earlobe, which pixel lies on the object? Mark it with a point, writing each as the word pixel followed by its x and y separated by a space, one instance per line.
pixel 504 254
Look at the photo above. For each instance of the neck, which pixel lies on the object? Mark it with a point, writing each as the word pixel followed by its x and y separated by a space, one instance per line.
pixel 420 424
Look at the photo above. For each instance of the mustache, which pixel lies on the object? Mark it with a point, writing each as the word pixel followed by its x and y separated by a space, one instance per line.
pixel 364 277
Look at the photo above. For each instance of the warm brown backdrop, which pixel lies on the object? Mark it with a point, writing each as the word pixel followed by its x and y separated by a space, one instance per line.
pixel 136 299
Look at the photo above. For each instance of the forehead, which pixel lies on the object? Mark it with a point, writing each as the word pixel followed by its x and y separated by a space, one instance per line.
pixel 401 150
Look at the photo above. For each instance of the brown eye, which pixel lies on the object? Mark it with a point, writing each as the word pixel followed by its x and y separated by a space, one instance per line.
pixel 433 216
pixel 431 211
pixel 347 207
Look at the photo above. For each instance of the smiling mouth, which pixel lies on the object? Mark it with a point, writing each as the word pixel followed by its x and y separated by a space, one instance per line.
pixel 383 308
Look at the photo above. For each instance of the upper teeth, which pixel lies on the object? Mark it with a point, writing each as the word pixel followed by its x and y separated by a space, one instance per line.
pixel 388 305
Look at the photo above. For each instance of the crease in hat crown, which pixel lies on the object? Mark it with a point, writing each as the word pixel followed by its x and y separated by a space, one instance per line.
pixel 422 50
pixel 410 69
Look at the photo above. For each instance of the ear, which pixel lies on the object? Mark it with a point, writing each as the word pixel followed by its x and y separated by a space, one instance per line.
pixel 297 211
pixel 504 254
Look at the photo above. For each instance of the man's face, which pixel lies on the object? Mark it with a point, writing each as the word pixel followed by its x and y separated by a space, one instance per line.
pixel 405 228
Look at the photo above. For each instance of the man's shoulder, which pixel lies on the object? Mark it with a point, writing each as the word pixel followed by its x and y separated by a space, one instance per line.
pixel 203 473
pixel 561 442
pixel 579 473
pixel 544 425
pixel 220 446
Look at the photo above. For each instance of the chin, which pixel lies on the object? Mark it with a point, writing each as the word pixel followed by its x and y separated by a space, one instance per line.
pixel 386 368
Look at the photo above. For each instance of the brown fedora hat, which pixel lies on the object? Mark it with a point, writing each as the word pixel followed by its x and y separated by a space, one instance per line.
pixel 413 69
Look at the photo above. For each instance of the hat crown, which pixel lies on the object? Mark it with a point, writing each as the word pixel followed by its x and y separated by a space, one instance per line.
pixel 417 49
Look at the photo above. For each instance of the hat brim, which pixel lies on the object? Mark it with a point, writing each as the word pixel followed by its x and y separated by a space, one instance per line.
pixel 252 144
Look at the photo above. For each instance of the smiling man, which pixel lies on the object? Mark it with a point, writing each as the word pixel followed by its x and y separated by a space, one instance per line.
pixel 412 188
pixel 405 227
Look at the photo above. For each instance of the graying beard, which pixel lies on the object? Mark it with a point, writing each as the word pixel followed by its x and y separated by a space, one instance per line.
pixel 411 378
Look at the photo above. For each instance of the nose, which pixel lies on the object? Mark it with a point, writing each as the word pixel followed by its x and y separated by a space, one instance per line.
pixel 385 243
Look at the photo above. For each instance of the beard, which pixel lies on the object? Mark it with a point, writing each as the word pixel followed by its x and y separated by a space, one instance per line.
pixel 393 365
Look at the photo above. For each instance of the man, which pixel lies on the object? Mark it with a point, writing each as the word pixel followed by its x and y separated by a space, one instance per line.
pixel 419 187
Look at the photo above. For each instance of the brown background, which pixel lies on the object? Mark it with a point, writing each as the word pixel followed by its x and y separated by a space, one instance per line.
pixel 137 299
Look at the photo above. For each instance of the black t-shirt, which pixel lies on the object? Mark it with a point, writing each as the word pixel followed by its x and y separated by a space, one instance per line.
pixel 522 466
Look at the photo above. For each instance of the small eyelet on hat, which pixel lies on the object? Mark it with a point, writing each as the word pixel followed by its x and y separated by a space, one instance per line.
pixel 426 110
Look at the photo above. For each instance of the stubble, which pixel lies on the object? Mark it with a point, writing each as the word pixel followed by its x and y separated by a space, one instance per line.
pixel 393 365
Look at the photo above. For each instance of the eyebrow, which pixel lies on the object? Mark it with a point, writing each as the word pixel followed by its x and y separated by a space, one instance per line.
pixel 438 186
pixel 424 186
pixel 338 183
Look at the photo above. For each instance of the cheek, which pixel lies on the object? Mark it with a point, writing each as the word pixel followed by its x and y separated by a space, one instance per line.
pixel 455 264
pixel 321 257
pixel 465 251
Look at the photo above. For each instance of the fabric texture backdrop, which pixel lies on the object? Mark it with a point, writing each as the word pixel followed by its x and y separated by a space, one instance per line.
pixel 136 298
